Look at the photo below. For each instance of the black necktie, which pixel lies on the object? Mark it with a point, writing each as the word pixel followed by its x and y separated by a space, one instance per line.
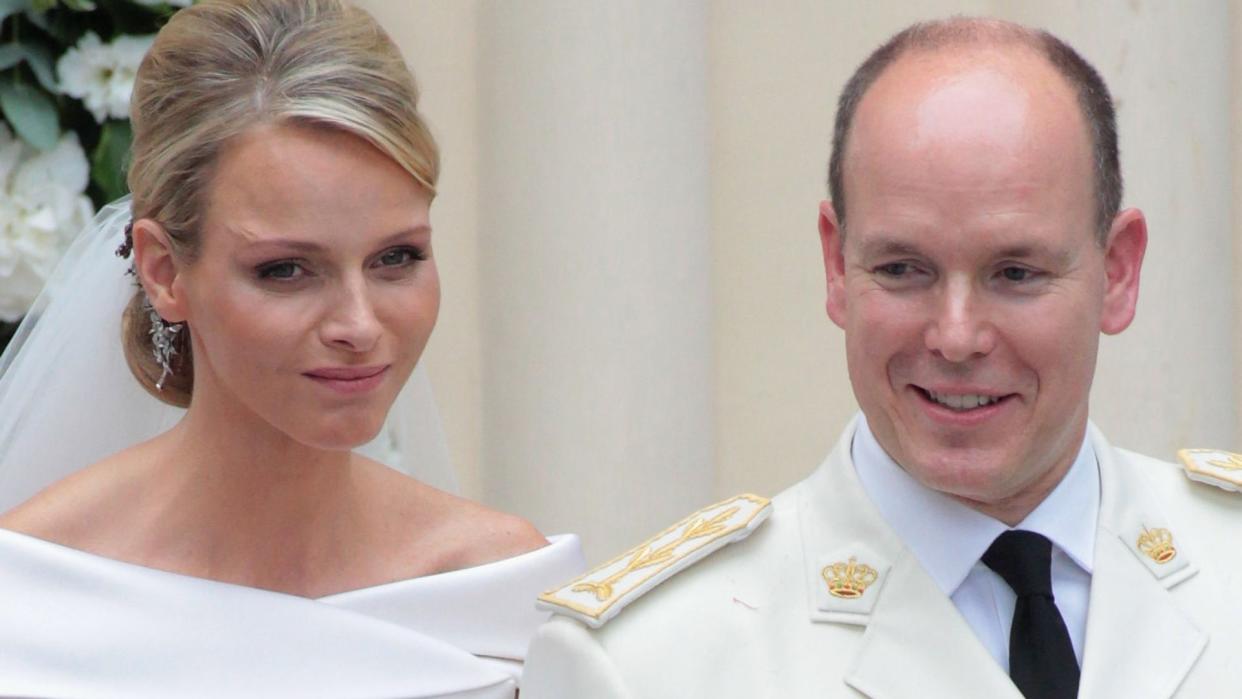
pixel 1041 657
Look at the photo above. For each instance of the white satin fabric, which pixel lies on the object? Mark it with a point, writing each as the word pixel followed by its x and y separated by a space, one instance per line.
pixel 74 624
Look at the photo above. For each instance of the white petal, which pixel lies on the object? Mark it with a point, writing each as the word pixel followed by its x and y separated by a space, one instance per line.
pixel 10 156
pixel 119 91
pixel 64 166
pixel 39 223
pixel 128 50
pixel 79 65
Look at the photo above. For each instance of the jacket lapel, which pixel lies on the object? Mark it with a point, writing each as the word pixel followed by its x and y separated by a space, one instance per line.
pixel 916 643
pixel 1140 644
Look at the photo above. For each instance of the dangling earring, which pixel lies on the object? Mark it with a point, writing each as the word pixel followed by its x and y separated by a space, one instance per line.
pixel 163 337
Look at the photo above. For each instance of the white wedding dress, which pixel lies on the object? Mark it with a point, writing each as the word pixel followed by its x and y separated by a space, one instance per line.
pixel 73 624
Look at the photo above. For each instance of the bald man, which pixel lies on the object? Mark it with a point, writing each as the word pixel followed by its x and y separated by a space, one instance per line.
pixel 971 534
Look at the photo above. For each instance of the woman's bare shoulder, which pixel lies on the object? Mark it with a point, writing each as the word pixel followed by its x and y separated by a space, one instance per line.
pixel 76 509
pixel 491 535
pixel 457 532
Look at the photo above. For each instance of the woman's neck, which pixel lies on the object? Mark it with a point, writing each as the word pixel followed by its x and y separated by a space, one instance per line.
pixel 232 498
pixel 225 496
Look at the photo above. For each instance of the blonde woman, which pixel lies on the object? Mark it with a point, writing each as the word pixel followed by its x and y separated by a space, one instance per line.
pixel 280 237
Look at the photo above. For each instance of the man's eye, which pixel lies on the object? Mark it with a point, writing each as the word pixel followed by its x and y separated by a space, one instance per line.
pixel 895 269
pixel 281 270
pixel 1016 274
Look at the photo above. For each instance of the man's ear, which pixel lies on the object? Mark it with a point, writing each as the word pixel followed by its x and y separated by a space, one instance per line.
pixel 1123 261
pixel 158 269
pixel 833 243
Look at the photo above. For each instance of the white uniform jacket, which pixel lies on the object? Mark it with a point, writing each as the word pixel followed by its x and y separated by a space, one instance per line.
pixel 755 619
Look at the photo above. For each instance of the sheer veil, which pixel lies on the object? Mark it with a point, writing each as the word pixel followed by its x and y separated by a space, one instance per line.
pixel 67 398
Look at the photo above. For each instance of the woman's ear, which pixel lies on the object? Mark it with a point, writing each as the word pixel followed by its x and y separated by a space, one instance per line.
pixel 158 269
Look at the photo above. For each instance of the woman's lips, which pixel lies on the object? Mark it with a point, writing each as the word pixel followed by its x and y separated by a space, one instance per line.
pixel 349 380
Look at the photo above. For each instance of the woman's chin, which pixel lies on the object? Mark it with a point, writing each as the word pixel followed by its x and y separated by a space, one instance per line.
pixel 338 437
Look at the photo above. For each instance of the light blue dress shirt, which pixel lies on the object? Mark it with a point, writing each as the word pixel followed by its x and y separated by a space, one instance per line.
pixel 948 538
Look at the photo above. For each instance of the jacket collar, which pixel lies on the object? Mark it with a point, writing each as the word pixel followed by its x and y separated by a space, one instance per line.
pixel 907 618
pixel 1131 585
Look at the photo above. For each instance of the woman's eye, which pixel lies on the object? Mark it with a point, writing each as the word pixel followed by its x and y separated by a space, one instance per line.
pixel 281 270
pixel 398 257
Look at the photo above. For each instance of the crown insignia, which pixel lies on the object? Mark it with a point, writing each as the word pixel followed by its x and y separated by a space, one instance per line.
pixel 1157 544
pixel 849 580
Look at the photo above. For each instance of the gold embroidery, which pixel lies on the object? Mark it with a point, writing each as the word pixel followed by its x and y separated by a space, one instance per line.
pixel 1214 467
pixel 758 506
pixel 1231 462
pixel 1157 544
pixel 646 557
pixel 849 580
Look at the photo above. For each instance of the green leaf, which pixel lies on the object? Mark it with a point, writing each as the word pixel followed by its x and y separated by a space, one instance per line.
pixel 12 7
pixel 11 55
pixel 42 5
pixel 31 113
pixel 39 58
pixel 79 5
pixel 108 160
pixel 39 19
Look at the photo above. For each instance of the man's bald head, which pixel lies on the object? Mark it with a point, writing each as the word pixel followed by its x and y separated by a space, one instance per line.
pixel 963 34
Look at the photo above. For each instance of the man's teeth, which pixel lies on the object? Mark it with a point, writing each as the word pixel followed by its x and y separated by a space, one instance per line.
pixel 967 401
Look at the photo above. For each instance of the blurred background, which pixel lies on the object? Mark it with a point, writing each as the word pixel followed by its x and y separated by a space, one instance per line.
pixel 633 321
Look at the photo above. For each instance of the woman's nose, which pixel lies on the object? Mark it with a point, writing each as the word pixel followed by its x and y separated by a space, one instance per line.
pixel 350 323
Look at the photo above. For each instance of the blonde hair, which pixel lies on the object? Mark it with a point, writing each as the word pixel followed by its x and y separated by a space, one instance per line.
pixel 221 67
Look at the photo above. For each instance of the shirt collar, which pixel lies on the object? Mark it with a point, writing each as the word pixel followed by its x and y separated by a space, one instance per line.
pixel 948 537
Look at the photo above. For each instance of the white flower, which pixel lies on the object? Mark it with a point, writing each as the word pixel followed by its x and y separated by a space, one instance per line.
pixel 102 75
pixel 42 208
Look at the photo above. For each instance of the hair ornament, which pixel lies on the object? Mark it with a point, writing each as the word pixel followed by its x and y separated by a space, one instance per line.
pixel 127 246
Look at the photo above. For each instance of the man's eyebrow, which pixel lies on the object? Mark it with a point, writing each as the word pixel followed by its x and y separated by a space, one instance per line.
pixel 1025 251
pixel 888 247
pixel 883 247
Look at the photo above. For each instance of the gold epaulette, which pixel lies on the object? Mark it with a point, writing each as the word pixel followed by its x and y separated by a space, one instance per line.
pixel 1222 469
pixel 598 595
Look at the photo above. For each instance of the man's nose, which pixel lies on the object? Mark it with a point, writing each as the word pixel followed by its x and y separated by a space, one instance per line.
pixel 960 328
pixel 350 322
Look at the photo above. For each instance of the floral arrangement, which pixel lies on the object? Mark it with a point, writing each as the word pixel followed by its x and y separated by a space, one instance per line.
pixel 66 73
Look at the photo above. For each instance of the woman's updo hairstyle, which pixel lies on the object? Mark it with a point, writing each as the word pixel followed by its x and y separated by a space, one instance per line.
pixel 221 67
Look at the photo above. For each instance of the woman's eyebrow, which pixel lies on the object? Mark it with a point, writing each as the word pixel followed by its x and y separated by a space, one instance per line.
pixel 309 247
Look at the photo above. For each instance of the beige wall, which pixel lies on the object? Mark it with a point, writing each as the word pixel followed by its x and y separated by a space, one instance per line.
pixel 688 146
pixel 440 42
pixel 1234 73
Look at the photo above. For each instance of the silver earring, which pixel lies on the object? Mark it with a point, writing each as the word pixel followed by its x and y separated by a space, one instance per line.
pixel 163 335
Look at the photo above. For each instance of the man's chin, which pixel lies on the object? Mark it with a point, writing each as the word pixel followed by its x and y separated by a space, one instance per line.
pixel 974 474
